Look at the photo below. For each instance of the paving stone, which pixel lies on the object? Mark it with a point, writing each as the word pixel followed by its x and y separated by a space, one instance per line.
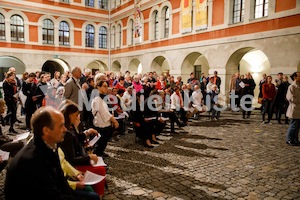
pixel 138 192
pixel 234 190
pixel 270 198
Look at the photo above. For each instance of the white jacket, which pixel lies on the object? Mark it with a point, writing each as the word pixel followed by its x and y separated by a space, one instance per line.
pixel 293 96
pixel 101 113
pixel 176 101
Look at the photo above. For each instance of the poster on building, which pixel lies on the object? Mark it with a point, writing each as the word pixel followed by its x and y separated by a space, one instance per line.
pixel 186 16
pixel 201 14
pixel 138 26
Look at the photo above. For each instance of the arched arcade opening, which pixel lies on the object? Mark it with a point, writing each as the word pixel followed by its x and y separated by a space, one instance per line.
pixel 194 62
pixel 116 67
pixel 9 61
pixel 135 67
pixel 97 65
pixel 246 60
pixel 160 65
pixel 56 64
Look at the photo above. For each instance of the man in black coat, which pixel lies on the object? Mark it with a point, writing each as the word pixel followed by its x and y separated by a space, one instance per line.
pixel 35 172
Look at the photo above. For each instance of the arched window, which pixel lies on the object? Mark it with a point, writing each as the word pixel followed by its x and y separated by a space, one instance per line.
pixel 112 38
pixel 238 11
pixel 89 3
pixel 48 32
pixel 261 8
pixel 89 35
pixel 17 28
pixel 156 25
pixel 131 32
pixel 119 35
pixel 103 4
pixel 2 27
pixel 167 22
pixel 103 37
pixel 64 33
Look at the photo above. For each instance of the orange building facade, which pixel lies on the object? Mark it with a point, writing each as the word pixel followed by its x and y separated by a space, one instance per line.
pixel 175 37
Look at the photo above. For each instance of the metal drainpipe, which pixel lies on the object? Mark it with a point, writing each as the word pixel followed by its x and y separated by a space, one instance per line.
pixel 109 37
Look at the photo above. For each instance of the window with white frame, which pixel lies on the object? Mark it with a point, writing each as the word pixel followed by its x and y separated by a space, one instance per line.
pixel 156 26
pixel 64 33
pixel 119 35
pixel 89 35
pixel 66 1
pixel 238 11
pixel 17 28
pixel 48 31
pixel 131 32
pixel 2 27
pixel 89 3
pixel 112 37
pixel 261 8
pixel 166 22
pixel 103 4
pixel 103 37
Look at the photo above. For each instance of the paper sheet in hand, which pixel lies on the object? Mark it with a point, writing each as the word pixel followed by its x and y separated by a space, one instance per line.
pixel 4 155
pixel 242 84
pixel 150 118
pixel 91 178
pixel 99 163
pixel 164 118
pixel 94 140
pixel 122 116
pixel 21 136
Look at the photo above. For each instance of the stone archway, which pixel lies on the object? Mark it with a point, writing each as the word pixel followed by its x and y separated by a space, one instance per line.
pixel 9 61
pixel 135 67
pixel 194 62
pixel 97 65
pixel 116 67
pixel 160 65
pixel 56 64
pixel 246 60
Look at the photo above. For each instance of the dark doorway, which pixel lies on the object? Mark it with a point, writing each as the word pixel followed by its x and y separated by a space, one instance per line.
pixel 2 71
pixel 197 71
pixel 52 66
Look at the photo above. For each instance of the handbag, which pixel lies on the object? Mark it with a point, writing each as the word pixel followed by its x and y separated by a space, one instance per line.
pixel 260 100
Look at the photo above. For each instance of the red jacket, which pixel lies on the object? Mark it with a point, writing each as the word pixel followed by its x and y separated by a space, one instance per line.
pixel 159 86
pixel 268 91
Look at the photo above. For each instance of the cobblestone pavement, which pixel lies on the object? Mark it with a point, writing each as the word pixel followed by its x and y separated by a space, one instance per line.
pixel 232 158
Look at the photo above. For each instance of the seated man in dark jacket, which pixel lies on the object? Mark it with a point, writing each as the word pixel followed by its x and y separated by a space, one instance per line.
pixel 35 172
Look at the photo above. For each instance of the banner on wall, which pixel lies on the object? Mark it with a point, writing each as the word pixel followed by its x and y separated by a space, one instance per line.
pixel 201 15
pixel 138 26
pixel 186 17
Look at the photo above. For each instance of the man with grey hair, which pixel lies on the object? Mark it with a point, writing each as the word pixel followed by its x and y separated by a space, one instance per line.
pixel 37 165
pixel 73 85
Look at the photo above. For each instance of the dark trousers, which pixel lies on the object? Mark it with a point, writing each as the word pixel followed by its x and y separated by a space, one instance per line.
pixel 106 134
pixel 29 110
pixel 267 109
pixel 281 108
pixel 173 119
pixel 248 106
pixel 11 113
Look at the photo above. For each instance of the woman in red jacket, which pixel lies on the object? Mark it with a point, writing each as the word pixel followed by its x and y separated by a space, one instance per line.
pixel 268 92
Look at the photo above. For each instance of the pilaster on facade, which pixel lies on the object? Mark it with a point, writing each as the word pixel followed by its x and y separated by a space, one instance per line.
pixel 210 5
pixel 248 10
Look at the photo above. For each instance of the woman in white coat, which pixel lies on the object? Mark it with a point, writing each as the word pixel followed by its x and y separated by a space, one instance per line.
pixel 104 120
pixel 293 112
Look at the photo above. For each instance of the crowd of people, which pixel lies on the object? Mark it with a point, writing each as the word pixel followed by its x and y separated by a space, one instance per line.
pixel 66 111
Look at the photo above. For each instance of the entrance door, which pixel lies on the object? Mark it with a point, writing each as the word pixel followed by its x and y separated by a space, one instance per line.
pixel 197 71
